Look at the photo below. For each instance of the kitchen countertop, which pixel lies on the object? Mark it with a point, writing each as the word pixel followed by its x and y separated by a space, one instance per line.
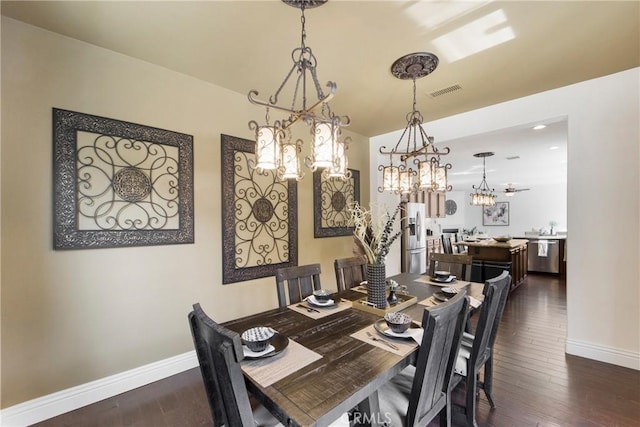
pixel 513 243
pixel 543 237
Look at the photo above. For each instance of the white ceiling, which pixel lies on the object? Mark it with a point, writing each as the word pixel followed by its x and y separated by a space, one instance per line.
pixel 495 50
pixel 542 157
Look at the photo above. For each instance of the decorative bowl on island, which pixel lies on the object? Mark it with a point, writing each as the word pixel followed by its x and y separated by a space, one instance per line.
pixel 502 239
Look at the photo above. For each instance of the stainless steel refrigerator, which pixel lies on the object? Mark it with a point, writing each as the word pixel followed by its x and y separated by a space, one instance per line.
pixel 415 239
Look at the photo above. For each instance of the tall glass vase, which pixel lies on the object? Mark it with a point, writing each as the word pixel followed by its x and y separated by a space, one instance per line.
pixel 376 285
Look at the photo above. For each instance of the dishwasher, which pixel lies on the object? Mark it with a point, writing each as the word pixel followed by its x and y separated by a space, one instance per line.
pixel 544 255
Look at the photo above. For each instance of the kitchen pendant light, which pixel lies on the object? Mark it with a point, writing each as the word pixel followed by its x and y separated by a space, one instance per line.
pixel 483 195
pixel 398 176
pixel 327 151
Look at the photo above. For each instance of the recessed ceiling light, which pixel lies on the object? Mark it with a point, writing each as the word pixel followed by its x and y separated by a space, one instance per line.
pixel 539 127
pixel 555 147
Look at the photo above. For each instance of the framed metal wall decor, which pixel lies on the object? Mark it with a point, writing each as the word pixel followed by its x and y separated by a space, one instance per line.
pixel 259 216
pixel 496 215
pixel 332 198
pixel 119 184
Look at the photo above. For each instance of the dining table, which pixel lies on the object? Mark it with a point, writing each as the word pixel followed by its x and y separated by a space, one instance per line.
pixel 329 360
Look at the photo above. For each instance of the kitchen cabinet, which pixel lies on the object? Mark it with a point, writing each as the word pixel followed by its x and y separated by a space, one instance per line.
pixel 435 205
pixel 434 202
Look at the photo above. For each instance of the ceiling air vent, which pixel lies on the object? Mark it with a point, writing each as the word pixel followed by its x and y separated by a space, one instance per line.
pixel 513 157
pixel 445 91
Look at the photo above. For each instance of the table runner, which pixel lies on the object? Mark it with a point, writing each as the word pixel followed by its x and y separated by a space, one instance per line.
pixel 270 370
pixel 323 311
pixel 405 346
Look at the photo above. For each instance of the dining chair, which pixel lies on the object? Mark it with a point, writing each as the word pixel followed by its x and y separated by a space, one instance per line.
pixel 457 249
pixel 219 352
pixel 350 272
pixel 421 392
pixel 447 247
pixel 458 264
pixel 476 351
pixel 468 338
pixel 300 280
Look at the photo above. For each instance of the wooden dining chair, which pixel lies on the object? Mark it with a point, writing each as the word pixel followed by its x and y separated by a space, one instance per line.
pixel 458 249
pixel 301 281
pixel 447 247
pixel 458 264
pixel 219 352
pixel 421 392
pixel 467 339
pixel 350 272
pixel 476 351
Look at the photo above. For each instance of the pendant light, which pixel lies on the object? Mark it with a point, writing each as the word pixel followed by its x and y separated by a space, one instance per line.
pixel 414 145
pixel 274 148
pixel 483 195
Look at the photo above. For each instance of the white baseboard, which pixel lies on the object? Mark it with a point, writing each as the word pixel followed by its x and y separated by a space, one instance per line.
pixel 606 354
pixel 45 407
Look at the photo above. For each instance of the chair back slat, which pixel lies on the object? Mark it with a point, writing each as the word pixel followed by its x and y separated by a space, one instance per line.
pixel 496 291
pixel 219 352
pixel 443 326
pixel 350 272
pixel 458 264
pixel 297 282
pixel 503 283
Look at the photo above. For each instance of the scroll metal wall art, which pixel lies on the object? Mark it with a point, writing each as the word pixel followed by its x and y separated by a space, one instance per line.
pixel 120 184
pixel 259 216
pixel 332 198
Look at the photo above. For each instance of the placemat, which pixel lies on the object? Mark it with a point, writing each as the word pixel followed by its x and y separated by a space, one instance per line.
pixel 427 280
pixel 270 370
pixel 432 302
pixel 404 346
pixel 360 288
pixel 319 312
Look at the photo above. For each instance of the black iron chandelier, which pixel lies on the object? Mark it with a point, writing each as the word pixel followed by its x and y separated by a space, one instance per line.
pixel 275 148
pixel 398 176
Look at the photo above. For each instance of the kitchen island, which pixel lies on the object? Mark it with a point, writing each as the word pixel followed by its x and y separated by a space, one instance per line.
pixel 490 256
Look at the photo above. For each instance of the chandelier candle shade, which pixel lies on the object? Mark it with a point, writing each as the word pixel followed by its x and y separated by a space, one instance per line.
pixel 414 145
pixel 483 195
pixel 327 151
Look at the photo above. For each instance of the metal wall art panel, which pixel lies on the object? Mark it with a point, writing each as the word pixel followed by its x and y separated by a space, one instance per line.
pixel 119 184
pixel 332 198
pixel 259 216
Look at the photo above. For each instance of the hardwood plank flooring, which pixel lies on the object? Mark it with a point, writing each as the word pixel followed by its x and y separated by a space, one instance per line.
pixel 535 382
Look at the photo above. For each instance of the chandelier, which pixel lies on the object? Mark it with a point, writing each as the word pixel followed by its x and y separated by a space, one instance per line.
pixel 483 195
pixel 399 176
pixel 275 148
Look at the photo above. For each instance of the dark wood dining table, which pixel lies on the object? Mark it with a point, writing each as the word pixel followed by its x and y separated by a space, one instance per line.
pixel 350 369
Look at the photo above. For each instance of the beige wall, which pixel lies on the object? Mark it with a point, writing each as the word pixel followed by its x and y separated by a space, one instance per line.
pixel 69 317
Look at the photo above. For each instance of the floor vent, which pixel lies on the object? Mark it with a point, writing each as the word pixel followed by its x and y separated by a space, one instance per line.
pixel 445 91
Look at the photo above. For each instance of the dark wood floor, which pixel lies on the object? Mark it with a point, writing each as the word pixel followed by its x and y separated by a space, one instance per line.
pixel 535 383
